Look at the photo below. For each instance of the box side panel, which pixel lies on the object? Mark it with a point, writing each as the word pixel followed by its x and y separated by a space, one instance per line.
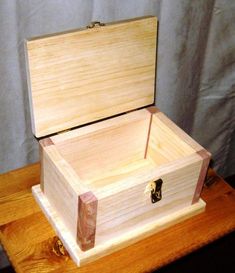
pixel 177 130
pixel 105 154
pixel 62 197
pixel 164 144
pixel 131 208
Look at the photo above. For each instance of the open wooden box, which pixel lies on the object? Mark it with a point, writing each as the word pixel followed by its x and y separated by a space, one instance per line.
pixel 110 183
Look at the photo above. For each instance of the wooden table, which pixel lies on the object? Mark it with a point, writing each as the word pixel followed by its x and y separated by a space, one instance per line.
pixel 32 245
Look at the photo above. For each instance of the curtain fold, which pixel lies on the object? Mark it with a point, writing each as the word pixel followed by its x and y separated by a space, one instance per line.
pixel 195 67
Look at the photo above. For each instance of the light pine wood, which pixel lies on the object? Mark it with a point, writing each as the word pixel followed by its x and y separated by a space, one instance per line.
pixel 176 129
pixel 124 141
pixel 61 186
pixel 121 211
pixel 115 243
pixel 108 124
pixel 95 178
pixel 90 74
pixel 31 243
pixel 42 144
pixel 115 160
pixel 164 145
pixel 206 156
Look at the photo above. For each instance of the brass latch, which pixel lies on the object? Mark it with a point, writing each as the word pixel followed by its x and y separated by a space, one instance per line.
pixel 155 189
pixel 95 24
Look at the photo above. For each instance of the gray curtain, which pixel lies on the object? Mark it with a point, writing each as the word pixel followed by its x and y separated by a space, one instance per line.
pixel 195 76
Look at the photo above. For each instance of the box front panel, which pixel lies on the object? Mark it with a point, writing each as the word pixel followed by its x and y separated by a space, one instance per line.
pixel 133 208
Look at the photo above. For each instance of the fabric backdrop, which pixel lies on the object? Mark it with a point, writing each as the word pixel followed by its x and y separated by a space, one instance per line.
pixel 195 77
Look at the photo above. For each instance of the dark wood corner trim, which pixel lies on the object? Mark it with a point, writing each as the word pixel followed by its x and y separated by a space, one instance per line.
pixel 206 156
pixel 46 142
pixel 86 225
pixel 153 109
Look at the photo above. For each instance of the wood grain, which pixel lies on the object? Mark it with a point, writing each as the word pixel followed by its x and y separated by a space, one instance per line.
pixel 123 209
pixel 62 187
pixel 143 148
pixel 116 242
pixel 90 74
pixel 31 250
pixel 205 164
pixel 42 144
pixel 123 139
pixel 178 131
pixel 86 223
pixel 164 144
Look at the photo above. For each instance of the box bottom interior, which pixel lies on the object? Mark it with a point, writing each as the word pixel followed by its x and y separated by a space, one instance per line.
pixel 115 149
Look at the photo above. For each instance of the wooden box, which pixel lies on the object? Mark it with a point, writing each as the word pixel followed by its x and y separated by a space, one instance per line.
pixel 126 171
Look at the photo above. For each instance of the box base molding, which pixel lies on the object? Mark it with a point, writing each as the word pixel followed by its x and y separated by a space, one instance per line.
pixel 83 257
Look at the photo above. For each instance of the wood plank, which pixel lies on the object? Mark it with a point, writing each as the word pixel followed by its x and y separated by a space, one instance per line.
pixel 164 144
pixel 107 124
pixel 89 155
pixel 20 179
pixel 205 164
pixel 16 205
pixel 179 132
pixel 42 144
pixel 116 243
pixel 32 244
pixel 128 208
pixel 62 187
pixel 170 244
pixel 87 75
pixel 149 173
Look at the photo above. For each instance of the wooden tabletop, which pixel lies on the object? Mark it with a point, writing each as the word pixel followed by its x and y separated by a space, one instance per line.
pixel 32 245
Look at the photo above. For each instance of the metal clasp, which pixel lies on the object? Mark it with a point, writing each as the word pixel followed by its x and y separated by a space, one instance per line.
pixel 95 24
pixel 155 188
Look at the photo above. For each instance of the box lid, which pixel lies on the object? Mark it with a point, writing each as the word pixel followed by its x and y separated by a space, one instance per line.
pixel 86 75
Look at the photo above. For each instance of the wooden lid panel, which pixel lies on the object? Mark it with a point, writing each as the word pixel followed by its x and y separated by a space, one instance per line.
pixel 87 75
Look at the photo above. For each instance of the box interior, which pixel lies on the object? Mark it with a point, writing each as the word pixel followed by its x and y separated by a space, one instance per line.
pixel 120 148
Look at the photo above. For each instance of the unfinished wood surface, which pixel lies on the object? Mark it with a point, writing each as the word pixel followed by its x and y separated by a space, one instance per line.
pixel 86 223
pixel 31 250
pixel 143 149
pixel 90 74
pixel 108 124
pixel 177 130
pixel 206 156
pixel 136 142
pixel 62 187
pixel 42 144
pixel 164 145
pixel 90 154
pixel 125 206
pixel 115 242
